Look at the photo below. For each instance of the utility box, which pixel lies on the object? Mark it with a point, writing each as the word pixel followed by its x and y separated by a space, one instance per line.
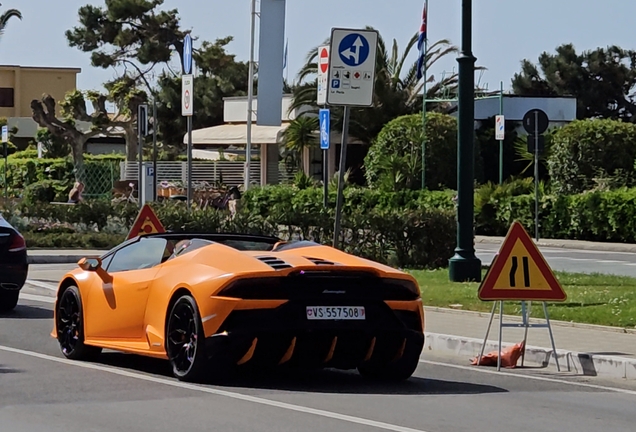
pixel 147 190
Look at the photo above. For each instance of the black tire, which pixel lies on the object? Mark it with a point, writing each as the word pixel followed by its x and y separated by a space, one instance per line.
pixel 185 340
pixel 8 300
pixel 398 370
pixel 69 322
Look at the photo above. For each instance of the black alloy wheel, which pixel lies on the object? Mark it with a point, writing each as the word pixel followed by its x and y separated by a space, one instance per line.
pixel 185 340
pixel 69 324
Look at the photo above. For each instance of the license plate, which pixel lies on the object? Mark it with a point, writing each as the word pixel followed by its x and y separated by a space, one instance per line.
pixel 335 313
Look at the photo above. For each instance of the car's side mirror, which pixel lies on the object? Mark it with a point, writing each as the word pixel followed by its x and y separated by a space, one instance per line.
pixel 90 264
pixel 95 264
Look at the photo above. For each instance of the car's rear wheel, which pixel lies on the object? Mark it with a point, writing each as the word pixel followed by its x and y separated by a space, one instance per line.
pixel 8 300
pixel 395 370
pixel 69 319
pixel 185 340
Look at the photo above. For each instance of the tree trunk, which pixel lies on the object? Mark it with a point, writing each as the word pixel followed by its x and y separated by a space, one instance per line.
pixel 77 146
pixel 131 144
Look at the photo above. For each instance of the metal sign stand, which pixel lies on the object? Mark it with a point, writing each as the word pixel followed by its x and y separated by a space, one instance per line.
pixel 525 323
pixel 350 82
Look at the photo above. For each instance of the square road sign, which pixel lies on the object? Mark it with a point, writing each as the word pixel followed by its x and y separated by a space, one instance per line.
pixel 352 57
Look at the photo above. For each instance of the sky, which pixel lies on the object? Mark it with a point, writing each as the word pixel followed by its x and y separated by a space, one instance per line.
pixel 504 31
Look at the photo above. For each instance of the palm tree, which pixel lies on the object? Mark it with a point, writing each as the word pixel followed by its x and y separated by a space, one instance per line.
pixel 397 89
pixel 6 16
pixel 299 135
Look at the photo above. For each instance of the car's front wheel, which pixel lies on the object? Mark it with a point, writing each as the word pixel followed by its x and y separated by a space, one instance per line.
pixel 8 300
pixel 185 340
pixel 69 321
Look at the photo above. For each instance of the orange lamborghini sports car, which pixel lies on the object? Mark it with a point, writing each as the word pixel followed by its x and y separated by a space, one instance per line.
pixel 216 303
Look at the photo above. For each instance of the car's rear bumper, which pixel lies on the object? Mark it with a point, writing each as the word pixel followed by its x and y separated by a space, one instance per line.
pixel 13 274
pixel 284 336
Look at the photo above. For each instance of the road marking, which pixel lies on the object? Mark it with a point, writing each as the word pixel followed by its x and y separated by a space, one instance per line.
pixel 232 395
pixel 530 377
pixel 34 297
pixel 40 284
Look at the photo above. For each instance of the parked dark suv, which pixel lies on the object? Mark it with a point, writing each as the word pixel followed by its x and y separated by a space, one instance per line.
pixel 13 265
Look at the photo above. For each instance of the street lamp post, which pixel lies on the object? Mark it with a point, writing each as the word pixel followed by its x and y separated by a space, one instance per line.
pixel 464 265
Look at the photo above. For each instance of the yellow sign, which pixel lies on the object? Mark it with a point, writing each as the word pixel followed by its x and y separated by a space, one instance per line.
pixel 520 272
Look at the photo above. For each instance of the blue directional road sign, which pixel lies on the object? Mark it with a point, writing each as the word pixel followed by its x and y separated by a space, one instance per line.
pixel 187 54
pixel 352 59
pixel 354 49
pixel 324 129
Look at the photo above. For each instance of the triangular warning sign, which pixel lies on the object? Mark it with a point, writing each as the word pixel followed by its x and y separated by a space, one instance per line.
pixel 147 222
pixel 520 272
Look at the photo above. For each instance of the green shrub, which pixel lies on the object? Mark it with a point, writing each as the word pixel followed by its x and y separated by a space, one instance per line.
pixel 587 150
pixel 401 229
pixel 394 160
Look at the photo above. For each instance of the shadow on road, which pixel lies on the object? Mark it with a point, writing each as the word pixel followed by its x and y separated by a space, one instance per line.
pixel 320 381
pixel 27 312
pixel 6 370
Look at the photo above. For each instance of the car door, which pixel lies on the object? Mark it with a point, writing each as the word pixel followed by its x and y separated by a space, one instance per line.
pixel 116 310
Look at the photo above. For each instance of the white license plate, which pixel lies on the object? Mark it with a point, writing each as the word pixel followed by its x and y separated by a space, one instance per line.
pixel 335 313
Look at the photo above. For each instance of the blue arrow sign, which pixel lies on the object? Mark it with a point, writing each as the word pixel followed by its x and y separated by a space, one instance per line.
pixel 354 49
pixel 324 129
pixel 187 54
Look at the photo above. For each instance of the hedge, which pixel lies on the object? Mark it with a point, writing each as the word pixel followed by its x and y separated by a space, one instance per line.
pixel 407 228
pixel 391 228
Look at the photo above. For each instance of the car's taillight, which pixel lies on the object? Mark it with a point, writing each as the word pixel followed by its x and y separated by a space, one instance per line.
pixel 17 243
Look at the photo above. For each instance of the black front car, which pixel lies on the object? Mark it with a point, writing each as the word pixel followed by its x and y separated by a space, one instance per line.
pixel 13 265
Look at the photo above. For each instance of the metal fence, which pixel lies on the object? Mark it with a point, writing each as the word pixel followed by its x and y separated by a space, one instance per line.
pixel 226 172
pixel 99 178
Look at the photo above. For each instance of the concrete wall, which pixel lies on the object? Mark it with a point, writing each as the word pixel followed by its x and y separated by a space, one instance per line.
pixel 32 82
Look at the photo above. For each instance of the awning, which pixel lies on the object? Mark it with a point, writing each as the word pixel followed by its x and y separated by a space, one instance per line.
pixel 236 134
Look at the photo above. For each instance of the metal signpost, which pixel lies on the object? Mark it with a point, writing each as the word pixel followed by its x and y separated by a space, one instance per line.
pixel 142 130
pixel 536 122
pixel 187 102
pixel 500 132
pixel 5 151
pixel 352 57
pixel 325 130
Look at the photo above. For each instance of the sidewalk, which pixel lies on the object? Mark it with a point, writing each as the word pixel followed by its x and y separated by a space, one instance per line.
pixel 582 349
pixel 568 244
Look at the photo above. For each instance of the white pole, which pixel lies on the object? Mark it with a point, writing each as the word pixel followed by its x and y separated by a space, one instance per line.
pixel 250 98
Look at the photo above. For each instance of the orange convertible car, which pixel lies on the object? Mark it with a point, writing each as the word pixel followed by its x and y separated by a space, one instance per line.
pixel 213 303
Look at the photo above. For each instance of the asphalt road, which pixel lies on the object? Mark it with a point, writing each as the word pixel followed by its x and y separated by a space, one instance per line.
pixel 42 391
pixel 574 260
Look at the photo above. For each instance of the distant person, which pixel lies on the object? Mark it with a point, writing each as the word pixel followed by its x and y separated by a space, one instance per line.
pixel 75 195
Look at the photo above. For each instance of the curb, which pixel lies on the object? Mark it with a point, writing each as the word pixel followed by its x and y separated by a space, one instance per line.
pixel 517 318
pixel 569 244
pixel 580 363
pixel 54 259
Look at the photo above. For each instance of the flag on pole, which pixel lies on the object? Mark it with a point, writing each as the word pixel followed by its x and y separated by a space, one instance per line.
pixel 421 45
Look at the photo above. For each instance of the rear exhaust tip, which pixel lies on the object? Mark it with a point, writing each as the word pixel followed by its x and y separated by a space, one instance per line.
pixel 10 286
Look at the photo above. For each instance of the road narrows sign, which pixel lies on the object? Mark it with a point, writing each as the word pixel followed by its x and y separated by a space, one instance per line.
pixel 520 272
pixel 323 74
pixel 147 222
pixel 352 59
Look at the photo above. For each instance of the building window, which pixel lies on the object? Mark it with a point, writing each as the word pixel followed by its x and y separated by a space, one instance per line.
pixel 6 97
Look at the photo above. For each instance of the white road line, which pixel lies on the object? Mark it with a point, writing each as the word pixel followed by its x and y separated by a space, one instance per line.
pixel 530 377
pixel 41 284
pixel 34 297
pixel 232 395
